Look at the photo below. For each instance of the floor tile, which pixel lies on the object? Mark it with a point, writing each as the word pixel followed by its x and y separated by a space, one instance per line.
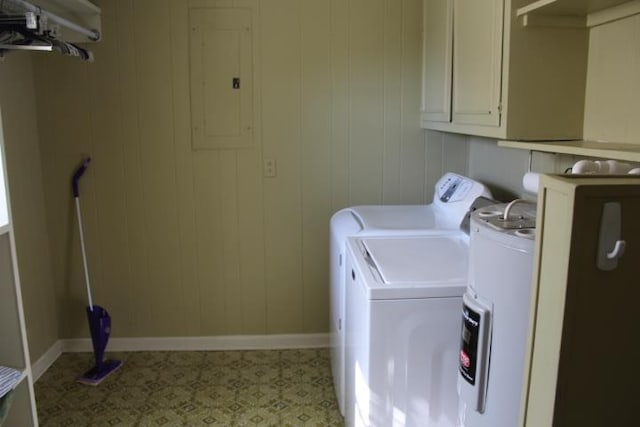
pixel 223 388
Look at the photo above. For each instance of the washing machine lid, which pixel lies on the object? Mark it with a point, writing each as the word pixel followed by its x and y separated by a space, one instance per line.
pixel 420 260
pixel 400 217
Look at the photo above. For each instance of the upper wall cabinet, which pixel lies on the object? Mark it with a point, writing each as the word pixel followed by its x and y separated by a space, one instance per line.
pixel 487 74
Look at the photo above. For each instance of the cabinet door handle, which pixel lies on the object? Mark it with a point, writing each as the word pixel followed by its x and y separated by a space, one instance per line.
pixel 610 244
pixel 618 250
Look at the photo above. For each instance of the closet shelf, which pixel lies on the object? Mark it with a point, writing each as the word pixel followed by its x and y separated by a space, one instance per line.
pixel 82 12
pixel 587 12
pixel 76 21
pixel 603 150
pixel 80 7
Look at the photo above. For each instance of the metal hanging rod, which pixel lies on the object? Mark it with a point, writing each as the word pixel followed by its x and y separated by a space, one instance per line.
pixel 29 7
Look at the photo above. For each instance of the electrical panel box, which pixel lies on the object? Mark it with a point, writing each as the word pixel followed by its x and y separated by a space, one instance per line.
pixel 221 78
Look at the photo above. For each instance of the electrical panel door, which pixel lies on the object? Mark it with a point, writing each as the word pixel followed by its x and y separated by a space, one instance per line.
pixel 221 78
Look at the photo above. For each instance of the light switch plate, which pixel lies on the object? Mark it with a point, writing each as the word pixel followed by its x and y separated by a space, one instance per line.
pixel 269 168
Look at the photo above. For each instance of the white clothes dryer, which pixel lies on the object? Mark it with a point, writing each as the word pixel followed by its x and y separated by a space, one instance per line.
pixel 403 302
pixel 454 195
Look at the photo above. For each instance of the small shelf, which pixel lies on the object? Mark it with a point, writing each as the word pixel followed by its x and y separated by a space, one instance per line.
pixel 80 7
pixel 602 150
pixel 568 7
pixel 83 12
pixel 588 13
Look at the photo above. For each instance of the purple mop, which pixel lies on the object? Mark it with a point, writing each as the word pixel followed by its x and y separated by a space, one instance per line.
pixel 99 319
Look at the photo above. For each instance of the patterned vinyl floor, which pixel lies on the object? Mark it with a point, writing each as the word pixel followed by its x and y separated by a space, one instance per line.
pixel 218 388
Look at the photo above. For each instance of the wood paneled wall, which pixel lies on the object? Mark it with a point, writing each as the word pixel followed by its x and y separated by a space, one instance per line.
pixel 20 129
pixel 502 169
pixel 184 242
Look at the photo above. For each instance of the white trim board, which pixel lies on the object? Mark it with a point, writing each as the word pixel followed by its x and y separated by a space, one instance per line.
pixel 45 361
pixel 211 343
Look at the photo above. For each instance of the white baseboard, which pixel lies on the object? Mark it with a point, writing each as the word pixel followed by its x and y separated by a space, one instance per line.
pixel 212 343
pixel 43 363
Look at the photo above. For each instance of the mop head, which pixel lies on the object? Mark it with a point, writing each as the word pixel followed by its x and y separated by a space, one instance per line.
pixel 97 374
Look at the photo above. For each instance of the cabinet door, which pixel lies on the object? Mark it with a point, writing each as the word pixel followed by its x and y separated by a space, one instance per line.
pixel 477 62
pixel 437 56
pixel 583 331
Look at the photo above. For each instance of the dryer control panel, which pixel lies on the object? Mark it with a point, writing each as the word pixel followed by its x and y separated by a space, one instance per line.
pixel 455 188
pixel 453 196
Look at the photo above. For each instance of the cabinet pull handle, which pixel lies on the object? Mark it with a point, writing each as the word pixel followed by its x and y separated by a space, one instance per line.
pixel 618 250
pixel 611 246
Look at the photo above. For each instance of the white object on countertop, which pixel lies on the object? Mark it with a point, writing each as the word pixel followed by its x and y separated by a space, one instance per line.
pixel 530 182
pixel 601 167
pixel 584 166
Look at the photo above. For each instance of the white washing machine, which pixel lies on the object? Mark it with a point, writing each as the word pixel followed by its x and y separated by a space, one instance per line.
pixel 453 196
pixel 403 305
pixel 495 316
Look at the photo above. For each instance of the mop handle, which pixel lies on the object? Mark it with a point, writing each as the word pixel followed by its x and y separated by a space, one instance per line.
pixel 76 195
pixel 78 174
